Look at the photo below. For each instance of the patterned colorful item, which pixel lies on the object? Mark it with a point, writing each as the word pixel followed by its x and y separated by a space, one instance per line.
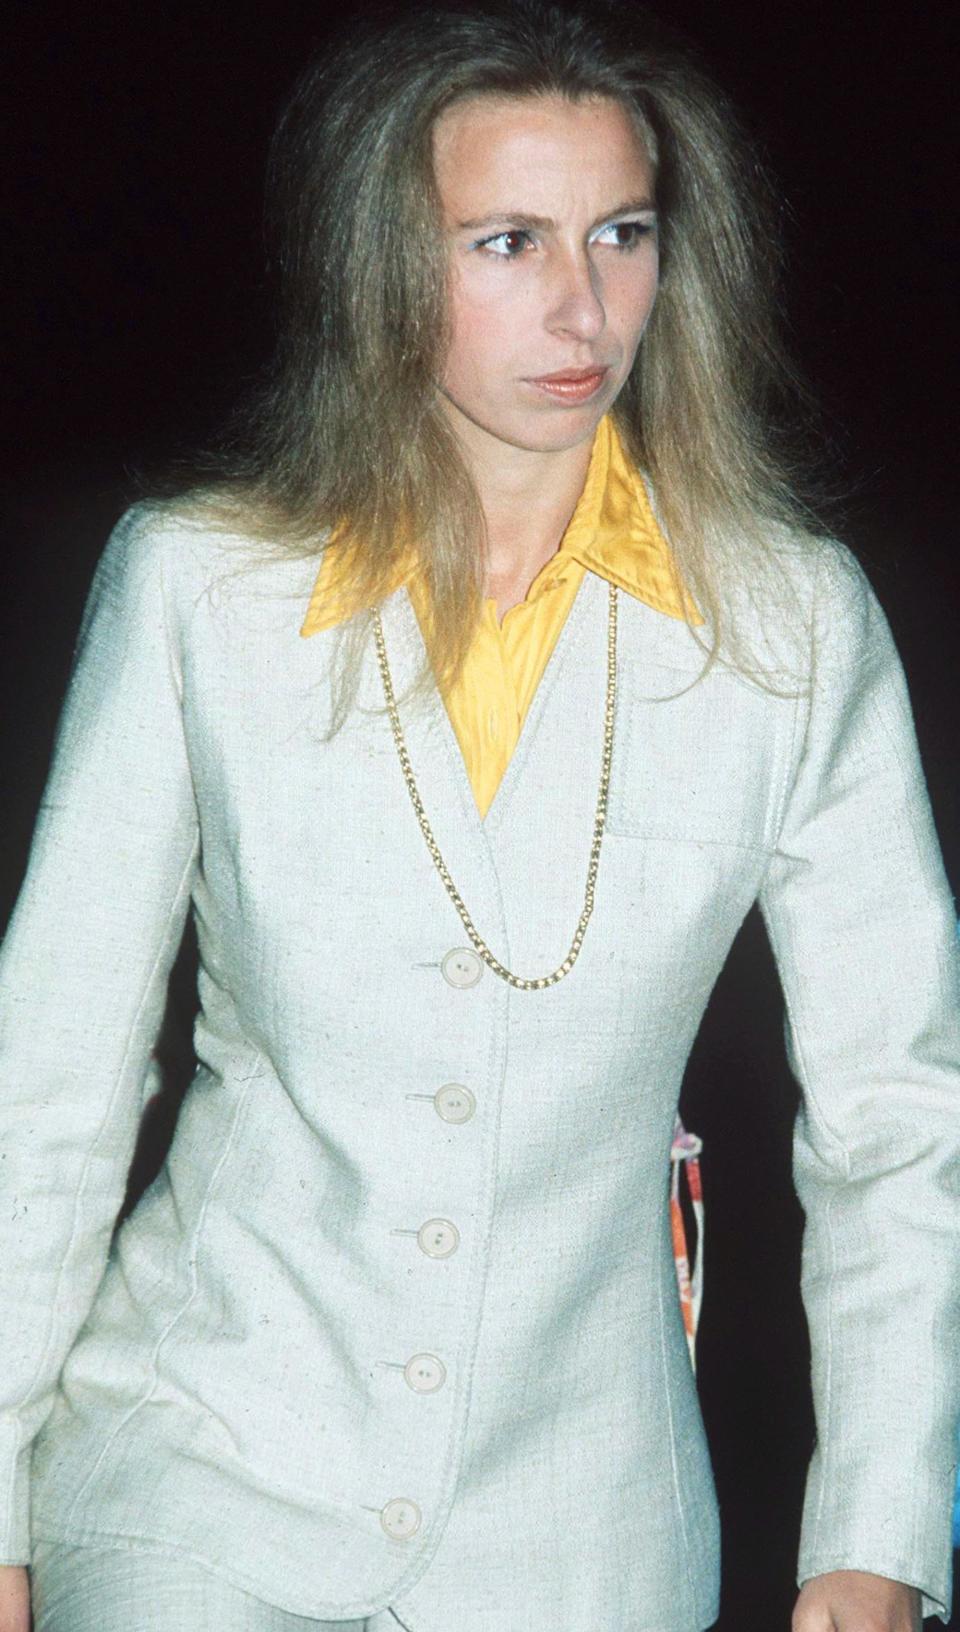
pixel 685 1152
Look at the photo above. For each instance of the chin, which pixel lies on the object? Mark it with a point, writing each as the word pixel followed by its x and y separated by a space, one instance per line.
pixel 551 429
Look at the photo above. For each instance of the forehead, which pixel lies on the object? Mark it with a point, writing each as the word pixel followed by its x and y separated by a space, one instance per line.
pixel 507 152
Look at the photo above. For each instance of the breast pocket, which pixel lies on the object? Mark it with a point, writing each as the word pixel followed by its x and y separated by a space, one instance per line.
pixel 705 765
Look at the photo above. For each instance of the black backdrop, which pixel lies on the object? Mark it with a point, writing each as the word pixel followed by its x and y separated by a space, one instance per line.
pixel 134 305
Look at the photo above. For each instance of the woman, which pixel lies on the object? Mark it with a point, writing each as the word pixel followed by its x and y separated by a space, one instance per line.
pixel 393 1340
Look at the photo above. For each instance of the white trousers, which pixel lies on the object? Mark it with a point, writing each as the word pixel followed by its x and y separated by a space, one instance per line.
pixel 115 1589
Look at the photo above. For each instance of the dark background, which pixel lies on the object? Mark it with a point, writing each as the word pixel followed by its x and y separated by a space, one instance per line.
pixel 135 304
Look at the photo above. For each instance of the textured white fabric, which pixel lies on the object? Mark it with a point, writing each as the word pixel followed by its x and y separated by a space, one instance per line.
pixel 237 1385
pixel 114 1589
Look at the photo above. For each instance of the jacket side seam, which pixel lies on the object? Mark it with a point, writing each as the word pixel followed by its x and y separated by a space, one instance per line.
pixel 30 1395
pixel 193 1255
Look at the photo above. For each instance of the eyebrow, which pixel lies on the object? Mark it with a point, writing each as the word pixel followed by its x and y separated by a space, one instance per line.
pixel 543 223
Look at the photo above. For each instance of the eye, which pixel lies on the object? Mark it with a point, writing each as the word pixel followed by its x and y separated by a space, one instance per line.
pixel 624 235
pixel 508 245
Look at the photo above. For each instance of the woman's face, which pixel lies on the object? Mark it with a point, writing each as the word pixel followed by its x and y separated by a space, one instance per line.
pixel 548 208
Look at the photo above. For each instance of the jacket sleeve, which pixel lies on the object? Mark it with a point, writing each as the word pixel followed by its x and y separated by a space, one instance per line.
pixel 83 975
pixel 864 932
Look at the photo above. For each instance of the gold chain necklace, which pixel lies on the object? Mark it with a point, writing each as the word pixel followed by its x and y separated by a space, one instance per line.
pixel 480 946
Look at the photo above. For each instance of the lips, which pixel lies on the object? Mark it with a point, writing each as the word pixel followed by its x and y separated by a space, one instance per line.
pixel 571 374
pixel 571 384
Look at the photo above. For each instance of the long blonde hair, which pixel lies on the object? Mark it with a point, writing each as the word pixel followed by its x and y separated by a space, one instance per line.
pixel 345 439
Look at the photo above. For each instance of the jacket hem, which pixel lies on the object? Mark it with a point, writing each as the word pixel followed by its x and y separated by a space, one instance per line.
pixel 87 1536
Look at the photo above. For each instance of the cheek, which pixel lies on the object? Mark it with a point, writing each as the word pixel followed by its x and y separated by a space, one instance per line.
pixel 630 299
pixel 488 326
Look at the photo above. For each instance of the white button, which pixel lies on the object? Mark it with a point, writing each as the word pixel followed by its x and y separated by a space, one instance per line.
pixel 438 1237
pixel 424 1372
pixel 461 967
pixel 400 1518
pixel 454 1102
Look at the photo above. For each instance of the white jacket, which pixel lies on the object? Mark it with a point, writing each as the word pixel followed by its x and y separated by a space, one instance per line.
pixel 398 1323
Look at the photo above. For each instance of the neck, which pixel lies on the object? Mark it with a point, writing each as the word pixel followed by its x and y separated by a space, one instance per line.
pixel 528 497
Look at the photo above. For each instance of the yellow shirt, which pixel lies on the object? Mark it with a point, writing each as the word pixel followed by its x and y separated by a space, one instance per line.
pixel 613 533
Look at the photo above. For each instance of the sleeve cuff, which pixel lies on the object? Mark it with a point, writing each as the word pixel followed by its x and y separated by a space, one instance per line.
pixel 14 1494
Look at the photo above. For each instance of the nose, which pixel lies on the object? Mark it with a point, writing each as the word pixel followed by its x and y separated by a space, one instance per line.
pixel 576 305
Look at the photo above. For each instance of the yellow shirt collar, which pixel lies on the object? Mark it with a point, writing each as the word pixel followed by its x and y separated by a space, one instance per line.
pixel 612 532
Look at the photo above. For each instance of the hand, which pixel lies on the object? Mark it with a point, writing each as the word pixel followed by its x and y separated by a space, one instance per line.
pixel 14 1598
pixel 853 1601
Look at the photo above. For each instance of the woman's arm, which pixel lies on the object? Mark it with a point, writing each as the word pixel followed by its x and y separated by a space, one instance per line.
pixel 863 929
pixel 83 975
